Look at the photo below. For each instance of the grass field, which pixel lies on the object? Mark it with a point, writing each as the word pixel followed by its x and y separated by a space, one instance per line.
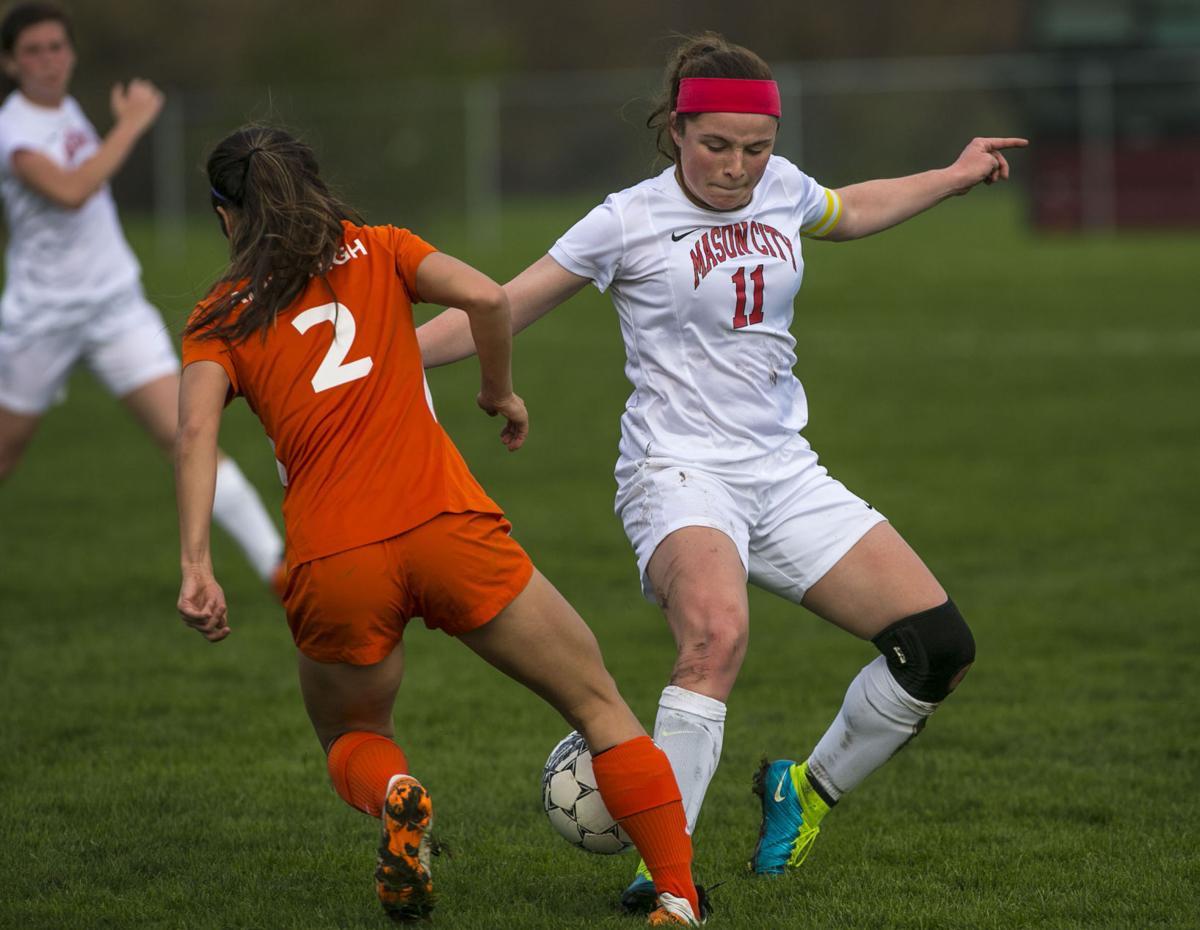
pixel 1026 409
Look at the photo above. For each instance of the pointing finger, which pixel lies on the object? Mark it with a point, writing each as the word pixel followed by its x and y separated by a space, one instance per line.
pixel 1007 143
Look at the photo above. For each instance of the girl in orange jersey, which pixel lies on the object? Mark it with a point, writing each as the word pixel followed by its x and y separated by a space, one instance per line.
pixel 312 324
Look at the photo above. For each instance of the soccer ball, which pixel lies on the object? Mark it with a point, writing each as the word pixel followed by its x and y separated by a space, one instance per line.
pixel 573 802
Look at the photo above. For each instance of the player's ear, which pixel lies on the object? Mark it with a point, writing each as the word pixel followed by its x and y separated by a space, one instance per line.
pixel 224 219
pixel 10 67
pixel 676 126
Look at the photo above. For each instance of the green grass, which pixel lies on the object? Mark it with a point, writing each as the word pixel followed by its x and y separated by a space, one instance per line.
pixel 1024 408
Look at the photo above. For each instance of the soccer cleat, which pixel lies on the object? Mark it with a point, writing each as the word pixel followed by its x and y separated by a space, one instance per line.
pixel 640 896
pixel 677 912
pixel 791 815
pixel 402 878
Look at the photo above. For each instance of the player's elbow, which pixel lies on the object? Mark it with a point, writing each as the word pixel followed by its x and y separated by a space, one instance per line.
pixel 67 191
pixel 71 193
pixel 194 433
pixel 486 299
pixel 67 198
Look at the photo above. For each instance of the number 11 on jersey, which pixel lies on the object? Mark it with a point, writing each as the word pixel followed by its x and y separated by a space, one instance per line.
pixel 756 311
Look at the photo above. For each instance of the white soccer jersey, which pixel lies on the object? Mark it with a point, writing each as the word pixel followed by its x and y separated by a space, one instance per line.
pixel 705 304
pixel 57 259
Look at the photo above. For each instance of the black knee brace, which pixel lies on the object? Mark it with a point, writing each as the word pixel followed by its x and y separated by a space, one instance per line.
pixel 925 652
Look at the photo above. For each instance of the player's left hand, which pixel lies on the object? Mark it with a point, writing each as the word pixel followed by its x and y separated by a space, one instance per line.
pixel 202 606
pixel 512 408
pixel 982 161
pixel 139 102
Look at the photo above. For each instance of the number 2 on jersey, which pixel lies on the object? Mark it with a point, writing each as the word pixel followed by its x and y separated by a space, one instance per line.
pixel 739 311
pixel 331 371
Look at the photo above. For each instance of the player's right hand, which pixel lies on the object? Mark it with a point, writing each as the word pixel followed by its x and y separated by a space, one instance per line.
pixel 512 408
pixel 139 102
pixel 202 606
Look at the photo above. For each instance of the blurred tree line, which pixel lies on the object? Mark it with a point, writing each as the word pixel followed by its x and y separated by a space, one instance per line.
pixel 386 90
pixel 209 44
pixel 379 86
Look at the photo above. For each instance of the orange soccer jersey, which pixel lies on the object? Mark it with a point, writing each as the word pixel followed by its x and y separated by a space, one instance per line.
pixel 340 390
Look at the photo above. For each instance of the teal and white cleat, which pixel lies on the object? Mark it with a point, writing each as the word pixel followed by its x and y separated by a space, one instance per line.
pixel 640 897
pixel 791 816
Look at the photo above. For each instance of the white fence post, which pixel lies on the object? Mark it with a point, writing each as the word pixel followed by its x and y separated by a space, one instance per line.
pixel 482 144
pixel 170 185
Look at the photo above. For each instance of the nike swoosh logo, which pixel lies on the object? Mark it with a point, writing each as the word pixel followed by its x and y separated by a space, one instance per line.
pixel 666 733
pixel 779 788
pixel 675 237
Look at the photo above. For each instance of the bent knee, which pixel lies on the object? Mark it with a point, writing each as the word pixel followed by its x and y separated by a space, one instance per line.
pixel 718 629
pixel 929 653
pixel 709 659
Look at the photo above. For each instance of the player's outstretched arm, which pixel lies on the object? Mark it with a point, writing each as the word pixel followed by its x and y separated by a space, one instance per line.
pixel 135 108
pixel 531 295
pixel 445 280
pixel 873 206
pixel 202 392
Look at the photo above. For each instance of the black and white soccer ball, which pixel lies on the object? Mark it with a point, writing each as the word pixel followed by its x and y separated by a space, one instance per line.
pixel 573 801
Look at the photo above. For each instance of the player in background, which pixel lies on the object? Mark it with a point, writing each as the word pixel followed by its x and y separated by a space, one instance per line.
pixel 72 286
pixel 716 486
pixel 312 324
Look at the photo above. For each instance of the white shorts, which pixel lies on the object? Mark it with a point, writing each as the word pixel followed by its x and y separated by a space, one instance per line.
pixel 123 339
pixel 789 520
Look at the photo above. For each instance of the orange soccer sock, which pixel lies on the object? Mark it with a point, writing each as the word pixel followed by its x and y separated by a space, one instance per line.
pixel 639 790
pixel 361 765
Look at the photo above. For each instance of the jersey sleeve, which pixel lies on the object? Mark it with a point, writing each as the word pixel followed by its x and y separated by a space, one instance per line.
pixel 14 138
pixel 410 250
pixel 820 208
pixel 593 247
pixel 198 349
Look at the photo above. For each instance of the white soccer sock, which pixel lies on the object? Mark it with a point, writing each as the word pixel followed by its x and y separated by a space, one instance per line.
pixel 240 512
pixel 877 718
pixel 690 728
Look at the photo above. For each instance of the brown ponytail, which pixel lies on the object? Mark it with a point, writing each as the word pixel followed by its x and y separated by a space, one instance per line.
pixel 710 55
pixel 287 227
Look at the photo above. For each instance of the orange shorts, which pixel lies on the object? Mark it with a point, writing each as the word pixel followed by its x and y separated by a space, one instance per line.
pixel 456 571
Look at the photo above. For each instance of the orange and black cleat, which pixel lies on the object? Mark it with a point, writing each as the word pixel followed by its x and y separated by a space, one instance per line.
pixel 677 912
pixel 402 878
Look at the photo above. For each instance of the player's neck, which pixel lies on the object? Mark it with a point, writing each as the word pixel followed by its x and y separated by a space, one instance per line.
pixel 43 101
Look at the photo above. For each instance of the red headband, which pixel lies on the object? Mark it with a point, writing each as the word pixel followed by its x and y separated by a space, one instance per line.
pixel 728 95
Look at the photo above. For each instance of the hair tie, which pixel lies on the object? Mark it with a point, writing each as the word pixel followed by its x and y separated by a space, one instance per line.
pixel 216 193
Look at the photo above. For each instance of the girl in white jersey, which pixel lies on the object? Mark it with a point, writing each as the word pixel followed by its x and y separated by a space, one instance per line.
pixel 716 486
pixel 72 286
